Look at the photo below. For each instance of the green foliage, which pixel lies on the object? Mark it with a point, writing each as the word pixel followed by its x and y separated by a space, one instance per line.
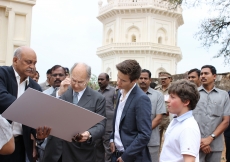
pixel 93 82
pixel 215 30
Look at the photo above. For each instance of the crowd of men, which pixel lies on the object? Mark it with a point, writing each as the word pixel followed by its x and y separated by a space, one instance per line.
pixel 135 110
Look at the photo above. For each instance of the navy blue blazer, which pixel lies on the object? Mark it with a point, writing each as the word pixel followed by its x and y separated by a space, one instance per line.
pixel 135 126
pixel 8 94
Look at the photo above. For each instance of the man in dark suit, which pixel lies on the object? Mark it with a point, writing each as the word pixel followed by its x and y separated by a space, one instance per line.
pixel 14 80
pixel 82 149
pixel 132 120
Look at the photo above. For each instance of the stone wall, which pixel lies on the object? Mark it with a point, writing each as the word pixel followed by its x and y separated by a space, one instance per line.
pixel 222 80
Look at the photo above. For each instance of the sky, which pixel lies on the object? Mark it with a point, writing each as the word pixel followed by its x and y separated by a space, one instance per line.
pixel 65 32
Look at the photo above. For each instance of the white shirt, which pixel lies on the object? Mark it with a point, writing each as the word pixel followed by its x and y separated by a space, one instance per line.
pixel 17 127
pixel 5 131
pixel 117 138
pixel 49 91
pixel 79 94
pixel 181 137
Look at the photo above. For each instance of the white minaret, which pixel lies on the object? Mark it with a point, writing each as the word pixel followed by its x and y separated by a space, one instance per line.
pixel 15 27
pixel 144 30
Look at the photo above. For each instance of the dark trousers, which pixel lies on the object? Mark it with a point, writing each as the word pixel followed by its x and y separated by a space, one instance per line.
pixel 115 156
pixel 103 153
pixel 19 154
pixel 227 144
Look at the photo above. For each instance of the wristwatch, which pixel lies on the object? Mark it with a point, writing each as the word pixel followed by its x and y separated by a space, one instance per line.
pixel 213 136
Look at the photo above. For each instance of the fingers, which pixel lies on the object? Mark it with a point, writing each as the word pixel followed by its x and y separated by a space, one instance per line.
pixel 81 137
pixel 112 147
pixel 43 132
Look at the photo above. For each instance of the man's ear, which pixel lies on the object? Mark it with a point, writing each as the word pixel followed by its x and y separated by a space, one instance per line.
pixel 15 60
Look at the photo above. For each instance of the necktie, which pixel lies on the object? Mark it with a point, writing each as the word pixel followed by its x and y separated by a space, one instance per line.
pixel 75 98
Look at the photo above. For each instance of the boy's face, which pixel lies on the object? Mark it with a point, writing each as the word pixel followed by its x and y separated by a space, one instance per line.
pixel 175 105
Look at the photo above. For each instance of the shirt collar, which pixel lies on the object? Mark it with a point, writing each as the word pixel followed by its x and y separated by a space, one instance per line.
pixel 127 95
pixel 80 93
pixel 166 88
pixel 149 91
pixel 201 88
pixel 184 116
pixel 107 88
pixel 18 77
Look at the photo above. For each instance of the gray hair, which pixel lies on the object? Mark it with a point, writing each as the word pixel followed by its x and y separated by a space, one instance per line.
pixel 17 52
pixel 88 69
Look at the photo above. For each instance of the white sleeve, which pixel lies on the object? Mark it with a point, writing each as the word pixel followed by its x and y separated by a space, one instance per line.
pixel 6 132
pixel 190 141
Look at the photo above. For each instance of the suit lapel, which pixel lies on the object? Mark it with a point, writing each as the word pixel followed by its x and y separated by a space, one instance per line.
pixel 14 83
pixel 69 95
pixel 85 98
pixel 128 102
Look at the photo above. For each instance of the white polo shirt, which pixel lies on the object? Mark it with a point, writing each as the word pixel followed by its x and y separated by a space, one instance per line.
pixel 181 137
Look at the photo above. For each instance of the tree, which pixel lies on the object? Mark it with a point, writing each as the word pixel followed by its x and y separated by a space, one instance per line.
pixel 215 30
pixel 93 82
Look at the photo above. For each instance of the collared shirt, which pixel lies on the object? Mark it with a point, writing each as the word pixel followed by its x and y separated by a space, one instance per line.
pixel 49 91
pixel 17 127
pixel 45 85
pixel 158 107
pixel 110 96
pixel 181 137
pixel 209 113
pixel 5 131
pixel 117 138
pixel 79 94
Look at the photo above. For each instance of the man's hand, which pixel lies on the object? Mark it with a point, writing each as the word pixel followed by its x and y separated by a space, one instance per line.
pixel 64 86
pixel 206 149
pixel 120 159
pixel 82 137
pixel 112 147
pixel 43 132
pixel 34 148
pixel 206 141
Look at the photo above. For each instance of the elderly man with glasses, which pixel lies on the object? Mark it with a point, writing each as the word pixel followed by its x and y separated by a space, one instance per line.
pixel 76 91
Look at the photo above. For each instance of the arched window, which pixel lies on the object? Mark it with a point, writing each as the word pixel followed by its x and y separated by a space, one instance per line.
pixel 160 40
pixel 161 36
pixel 109 72
pixel 134 38
pixel 109 38
pixel 133 34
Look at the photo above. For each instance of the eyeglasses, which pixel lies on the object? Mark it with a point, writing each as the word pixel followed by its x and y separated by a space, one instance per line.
pixel 55 75
pixel 80 83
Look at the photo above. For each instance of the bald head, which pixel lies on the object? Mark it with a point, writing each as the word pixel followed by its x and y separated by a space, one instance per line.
pixel 24 61
pixel 23 50
pixel 80 76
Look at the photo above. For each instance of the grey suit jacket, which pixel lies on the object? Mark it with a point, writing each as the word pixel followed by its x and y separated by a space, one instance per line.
pixel 76 151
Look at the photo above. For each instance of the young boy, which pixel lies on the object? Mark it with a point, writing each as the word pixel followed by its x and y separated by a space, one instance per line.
pixel 182 137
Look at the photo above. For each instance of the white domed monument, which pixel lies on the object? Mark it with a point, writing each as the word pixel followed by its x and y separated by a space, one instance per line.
pixel 15 27
pixel 144 30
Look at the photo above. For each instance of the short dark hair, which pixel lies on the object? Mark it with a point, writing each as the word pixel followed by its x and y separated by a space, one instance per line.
pixel 48 71
pixel 130 68
pixel 186 91
pixel 106 76
pixel 38 74
pixel 146 71
pixel 153 85
pixel 56 67
pixel 66 70
pixel 194 70
pixel 212 68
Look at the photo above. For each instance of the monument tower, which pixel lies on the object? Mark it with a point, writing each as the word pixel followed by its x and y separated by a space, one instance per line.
pixel 144 30
pixel 15 27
